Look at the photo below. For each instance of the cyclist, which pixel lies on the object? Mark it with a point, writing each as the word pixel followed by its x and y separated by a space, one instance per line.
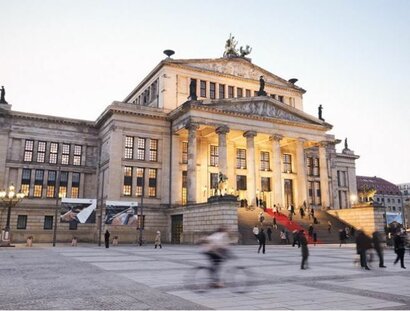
pixel 216 247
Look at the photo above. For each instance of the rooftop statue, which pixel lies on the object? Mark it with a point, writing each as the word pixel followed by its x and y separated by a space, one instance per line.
pixel 230 47
pixel 245 51
pixel 261 91
pixel 346 146
pixel 2 95
pixel 320 108
pixel 192 90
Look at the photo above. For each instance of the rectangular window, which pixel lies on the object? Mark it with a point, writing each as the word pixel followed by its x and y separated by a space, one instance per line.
pixel 65 156
pixel 248 93
pixel 25 181
pixel 221 91
pixel 38 183
pixel 280 98
pixel 241 158
pixel 62 191
pixel 341 178
pixel 41 152
pixel 184 187
pixel 265 165
pixel 316 167
pixel 75 185
pixel 212 90
pixel 239 92
pixel 214 181
pixel 72 225
pixel 184 152
pixel 214 158
pixel 230 91
pixel 48 222
pixel 140 181
pixel 310 190
pixel 77 155
pixel 265 184
pixel 203 88
pixel 240 182
pixel 127 188
pixel 53 153
pixel 287 163
pixel 318 200
pixel 21 221
pixel 153 150
pixel 51 183
pixel 309 164
pixel 152 182
pixel 129 147
pixel 28 150
pixel 140 148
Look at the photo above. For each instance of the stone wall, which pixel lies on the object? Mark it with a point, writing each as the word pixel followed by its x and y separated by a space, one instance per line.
pixel 369 218
pixel 200 220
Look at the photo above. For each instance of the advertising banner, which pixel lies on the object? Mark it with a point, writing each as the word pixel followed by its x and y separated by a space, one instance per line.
pixel 78 210
pixel 118 213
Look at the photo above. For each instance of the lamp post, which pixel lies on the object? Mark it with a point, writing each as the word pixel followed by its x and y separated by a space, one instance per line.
pixel 10 199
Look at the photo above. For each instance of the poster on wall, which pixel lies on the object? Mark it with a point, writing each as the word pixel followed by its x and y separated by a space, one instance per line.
pixel 118 213
pixel 78 210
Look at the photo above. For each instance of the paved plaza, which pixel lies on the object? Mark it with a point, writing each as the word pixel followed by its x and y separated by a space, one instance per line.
pixel 132 277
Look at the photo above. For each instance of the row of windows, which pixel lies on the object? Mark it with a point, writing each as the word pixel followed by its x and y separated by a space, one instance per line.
pixel 148 95
pixel 311 162
pixel 54 180
pixel 140 172
pixel 230 91
pixel 139 144
pixel 388 200
pixel 39 155
pixel 22 222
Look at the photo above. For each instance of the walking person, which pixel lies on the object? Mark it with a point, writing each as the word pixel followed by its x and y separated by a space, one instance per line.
pixel 310 230
pixel 296 239
pixel 287 236
pixel 262 241
pixel 342 237
pixel 377 244
pixel 283 237
pixel 329 226
pixel 158 239
pixel 312 212
pixel 269 232
pixel 305 250
pixel 399 248
pixel 314 238
pixel 363 244
pixel 275 225
pixel 302 212
pixel 107 238
pixel 261 218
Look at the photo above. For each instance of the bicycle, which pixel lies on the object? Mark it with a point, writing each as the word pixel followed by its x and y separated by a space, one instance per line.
pixel 237 278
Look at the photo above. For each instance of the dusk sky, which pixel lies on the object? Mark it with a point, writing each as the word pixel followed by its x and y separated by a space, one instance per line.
pixel 73 58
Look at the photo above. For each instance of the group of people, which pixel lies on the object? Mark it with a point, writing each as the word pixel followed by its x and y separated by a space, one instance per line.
pixel 365 243
pixel 157 241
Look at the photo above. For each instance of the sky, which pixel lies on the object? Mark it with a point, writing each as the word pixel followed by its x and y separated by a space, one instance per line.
pixel 73 58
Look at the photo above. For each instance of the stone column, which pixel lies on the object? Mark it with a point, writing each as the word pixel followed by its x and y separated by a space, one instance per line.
pixel 222 149
pixel 176 172
pixel 324 178
pixel 250 165
pixel 277 170
pixel 301 172
pixel 191 167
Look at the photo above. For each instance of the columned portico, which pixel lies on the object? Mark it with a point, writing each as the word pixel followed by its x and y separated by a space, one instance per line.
pixel 277 171
pixel 324 178
pixel 250 165
pixel 222 149
pixel 301 171
pixel 191 166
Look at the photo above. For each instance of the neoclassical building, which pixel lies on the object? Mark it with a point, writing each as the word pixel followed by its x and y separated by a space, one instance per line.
pixel 164 147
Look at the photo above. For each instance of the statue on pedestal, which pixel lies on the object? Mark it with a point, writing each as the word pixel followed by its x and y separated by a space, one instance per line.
pixel 320 112
pixel 2 95
pixel 346 146
pixel 230 47
pixel 261 91
pixel 222 184
pixel 192 90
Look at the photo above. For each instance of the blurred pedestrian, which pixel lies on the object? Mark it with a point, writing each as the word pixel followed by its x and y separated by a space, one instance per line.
pixel 275 225
pixel 310 230
pixel 296 240
pixel 302 212
pixel 269 232
pixel 363 244
pixel 314 238
pixel 255 231
pixel 283 237
pixel 377 244
pixel 329 226
pixel 107 238
pixel 287 236
pixel 158 239
pixel 261 218
pixel 399 248
pixel 305 250
pixel 262 241
pixel 342 237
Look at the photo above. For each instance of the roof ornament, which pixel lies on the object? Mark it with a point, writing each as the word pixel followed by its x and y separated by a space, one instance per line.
pixel 320 108
pixel 232 51
pixel 2 95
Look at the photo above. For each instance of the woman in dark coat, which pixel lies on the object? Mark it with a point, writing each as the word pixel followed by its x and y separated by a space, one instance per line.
pixel 363 244
pixel 304 247
pixel 399 248
pixel 262 241
pixel 107 238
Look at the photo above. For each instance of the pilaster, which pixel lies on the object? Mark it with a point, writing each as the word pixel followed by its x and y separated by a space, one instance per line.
pixel 192 159
pixel 324 177
pixel 277 170
pixel 301 172
pixel 250 165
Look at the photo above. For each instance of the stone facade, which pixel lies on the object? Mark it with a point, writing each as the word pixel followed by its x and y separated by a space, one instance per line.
pixel 164 151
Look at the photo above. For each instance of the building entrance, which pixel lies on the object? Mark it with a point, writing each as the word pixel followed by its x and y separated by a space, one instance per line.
pixel 176 228
pixel 288 192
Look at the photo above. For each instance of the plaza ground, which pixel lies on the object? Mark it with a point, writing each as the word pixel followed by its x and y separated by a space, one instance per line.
pixel 133 277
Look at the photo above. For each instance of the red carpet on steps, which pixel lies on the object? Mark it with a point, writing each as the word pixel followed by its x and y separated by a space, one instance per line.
pixel 289 225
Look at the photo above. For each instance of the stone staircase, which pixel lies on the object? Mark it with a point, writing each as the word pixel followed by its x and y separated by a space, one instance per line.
pixel 248 218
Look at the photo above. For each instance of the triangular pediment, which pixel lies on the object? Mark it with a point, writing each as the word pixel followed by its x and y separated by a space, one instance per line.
pixel 238 67
pixel 267 108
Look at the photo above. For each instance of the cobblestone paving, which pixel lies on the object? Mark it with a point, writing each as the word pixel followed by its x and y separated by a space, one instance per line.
pixel 132 277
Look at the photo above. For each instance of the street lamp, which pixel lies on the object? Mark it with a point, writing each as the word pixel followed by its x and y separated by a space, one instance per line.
pixel 10 199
